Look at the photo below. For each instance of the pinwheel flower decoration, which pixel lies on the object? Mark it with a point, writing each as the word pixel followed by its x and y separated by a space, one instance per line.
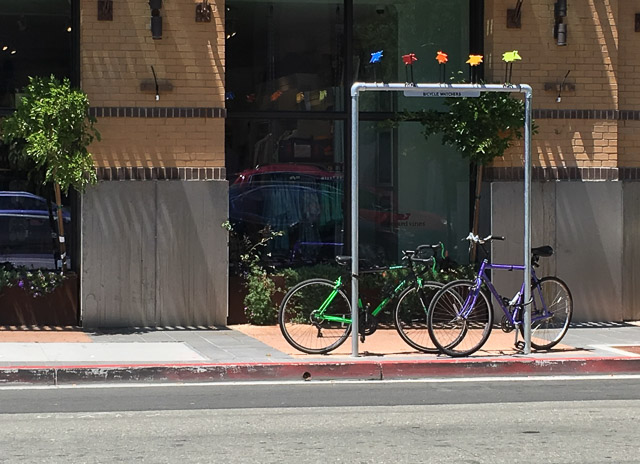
pixel 376 57
pixel 474 61
pixel 509 58
pixel 408 60
pixel 442 58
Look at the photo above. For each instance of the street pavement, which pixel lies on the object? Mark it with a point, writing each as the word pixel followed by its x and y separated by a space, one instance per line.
pixel 71 355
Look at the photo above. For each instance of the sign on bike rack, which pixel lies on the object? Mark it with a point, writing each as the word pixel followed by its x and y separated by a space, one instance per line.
pixel 436 91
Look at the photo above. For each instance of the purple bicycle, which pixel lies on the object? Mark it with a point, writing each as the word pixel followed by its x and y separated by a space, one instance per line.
pixel 461 315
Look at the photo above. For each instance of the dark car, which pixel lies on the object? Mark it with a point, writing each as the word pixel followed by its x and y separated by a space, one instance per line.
pixel 27 233
pixel 305 203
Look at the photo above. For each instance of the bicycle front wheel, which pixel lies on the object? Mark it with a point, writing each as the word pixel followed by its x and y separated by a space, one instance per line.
pixel 304 313
pixel 551 311
pixel 411 316
pixel 458 325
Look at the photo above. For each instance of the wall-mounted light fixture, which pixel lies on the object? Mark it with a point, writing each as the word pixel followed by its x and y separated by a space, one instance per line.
pixel 156 19
pixel 560 28
pixel 203 12
pixel 514 16
pixel 155 85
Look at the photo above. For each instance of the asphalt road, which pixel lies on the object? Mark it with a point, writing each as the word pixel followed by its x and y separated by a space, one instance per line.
pixel 541 420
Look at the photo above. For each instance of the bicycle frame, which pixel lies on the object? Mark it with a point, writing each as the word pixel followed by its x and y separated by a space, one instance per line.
pixel 481 278
pixel 387 298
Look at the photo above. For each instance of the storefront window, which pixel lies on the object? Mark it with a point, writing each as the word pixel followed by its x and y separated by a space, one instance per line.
pixel 36 39
pixel 286 169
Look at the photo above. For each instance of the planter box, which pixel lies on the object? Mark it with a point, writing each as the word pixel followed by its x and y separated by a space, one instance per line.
pixel 59 308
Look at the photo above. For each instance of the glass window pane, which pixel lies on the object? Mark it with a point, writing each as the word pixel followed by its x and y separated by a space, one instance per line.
pixel 284 55
pixel 412 191
pixel 35 40
pixel 402 27
pixel 288 175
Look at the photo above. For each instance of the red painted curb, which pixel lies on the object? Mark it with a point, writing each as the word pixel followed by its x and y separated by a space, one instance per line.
pixel 222 372
pixel 335 370
pixel 509 367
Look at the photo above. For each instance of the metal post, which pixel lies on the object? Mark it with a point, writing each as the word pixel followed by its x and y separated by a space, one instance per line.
pixel 527 222
pixel 354 221
pixel 439 90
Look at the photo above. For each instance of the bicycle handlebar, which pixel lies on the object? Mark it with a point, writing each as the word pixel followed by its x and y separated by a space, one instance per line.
pixel 476 239
pixel 411 254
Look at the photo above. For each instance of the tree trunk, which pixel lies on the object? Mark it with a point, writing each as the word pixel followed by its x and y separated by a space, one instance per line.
pixel 61 241
pixel 476 211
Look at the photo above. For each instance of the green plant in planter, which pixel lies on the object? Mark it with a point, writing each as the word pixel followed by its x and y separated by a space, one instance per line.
pixel 49 132
pixel 481 128
pixel 247 255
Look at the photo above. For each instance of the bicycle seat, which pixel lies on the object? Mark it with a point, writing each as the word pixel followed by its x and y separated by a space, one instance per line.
pixel 543 251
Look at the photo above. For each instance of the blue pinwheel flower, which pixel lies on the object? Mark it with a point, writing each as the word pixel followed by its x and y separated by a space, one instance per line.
pixel 376 56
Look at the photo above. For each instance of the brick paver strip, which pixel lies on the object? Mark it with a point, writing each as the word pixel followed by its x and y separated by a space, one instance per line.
pixel 386 342
pixel 40 336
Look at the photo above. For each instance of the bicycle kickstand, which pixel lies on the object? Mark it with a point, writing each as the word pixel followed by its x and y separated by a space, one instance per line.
pixel 519 344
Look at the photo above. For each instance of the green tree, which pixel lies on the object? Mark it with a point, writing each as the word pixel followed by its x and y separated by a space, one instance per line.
pixel 49 133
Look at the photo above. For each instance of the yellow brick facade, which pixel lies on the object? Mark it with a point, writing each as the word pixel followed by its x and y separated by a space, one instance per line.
pixel 116 59
pixel 603 61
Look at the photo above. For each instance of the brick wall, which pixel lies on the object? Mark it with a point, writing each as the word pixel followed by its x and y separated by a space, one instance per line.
pixel 185 127
pixel 594 124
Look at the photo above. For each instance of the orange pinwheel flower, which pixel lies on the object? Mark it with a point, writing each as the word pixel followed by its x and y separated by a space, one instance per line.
pixel 442 57
pixel 474 60
pixel 275 95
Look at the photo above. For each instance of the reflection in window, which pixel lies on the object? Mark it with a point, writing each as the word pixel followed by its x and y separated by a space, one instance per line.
pixel 28 228
pixel 286 171
pixel 35 40
pixel 284 56
pixel 287 175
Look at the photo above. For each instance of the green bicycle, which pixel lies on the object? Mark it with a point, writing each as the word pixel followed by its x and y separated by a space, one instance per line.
pixel 315 315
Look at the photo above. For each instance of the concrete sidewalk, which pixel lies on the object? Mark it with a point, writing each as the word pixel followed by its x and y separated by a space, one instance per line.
pixel 68 355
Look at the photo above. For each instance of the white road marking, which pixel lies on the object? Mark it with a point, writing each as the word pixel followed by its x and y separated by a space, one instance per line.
pixel 612 349
pixel 554 378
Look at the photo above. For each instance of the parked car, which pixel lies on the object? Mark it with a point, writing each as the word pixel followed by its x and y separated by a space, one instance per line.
pixel 27 233
pixel 306 203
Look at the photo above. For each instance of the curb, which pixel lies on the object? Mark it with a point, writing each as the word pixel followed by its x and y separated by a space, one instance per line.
pixel 356 370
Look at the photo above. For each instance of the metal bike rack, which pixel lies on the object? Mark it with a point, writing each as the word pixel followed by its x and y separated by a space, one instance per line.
pixel 438 90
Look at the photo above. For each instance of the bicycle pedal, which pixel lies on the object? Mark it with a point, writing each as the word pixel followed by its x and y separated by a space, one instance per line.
pixel 361 338
pixel 520 345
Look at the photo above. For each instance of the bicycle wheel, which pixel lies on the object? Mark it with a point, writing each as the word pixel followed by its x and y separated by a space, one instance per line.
pixel 302 325
pixel 410 316
pixel 452 332
pixel 548 327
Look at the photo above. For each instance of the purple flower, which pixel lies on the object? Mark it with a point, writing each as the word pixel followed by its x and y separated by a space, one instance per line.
pixel 20 283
